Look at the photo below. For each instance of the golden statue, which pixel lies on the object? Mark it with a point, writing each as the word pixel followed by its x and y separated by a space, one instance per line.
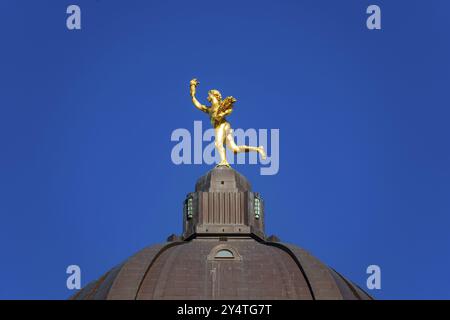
pixel 218 110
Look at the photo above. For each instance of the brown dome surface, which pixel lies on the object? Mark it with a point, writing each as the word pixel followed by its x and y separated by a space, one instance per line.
pixel 223 253
pixel 192 270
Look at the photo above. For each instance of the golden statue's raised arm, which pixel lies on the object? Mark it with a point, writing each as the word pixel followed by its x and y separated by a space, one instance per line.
pixel 193 85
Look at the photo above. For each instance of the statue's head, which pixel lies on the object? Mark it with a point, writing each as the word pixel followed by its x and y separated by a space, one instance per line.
pixel 214 96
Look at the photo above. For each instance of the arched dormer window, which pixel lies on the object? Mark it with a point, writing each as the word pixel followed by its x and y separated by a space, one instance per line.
pixel 224 252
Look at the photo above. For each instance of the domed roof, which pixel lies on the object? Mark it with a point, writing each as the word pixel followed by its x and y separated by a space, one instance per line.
pixel 222 179
pixel 223 253
pixel 213 269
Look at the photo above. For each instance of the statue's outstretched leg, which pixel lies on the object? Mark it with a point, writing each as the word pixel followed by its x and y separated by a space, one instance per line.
pixel 235 148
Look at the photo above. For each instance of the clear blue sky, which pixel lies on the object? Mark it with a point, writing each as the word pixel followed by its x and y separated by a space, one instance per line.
pixel 86 117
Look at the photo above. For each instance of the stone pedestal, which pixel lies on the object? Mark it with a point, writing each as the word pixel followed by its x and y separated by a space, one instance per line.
pixel 223 204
